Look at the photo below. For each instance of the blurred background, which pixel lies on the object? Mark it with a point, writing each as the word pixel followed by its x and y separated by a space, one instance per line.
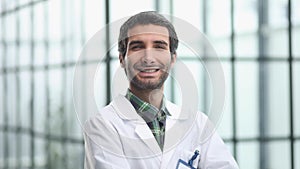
pixel 256 41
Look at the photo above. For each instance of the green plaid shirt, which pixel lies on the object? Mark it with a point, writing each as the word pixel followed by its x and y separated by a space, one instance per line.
pixel 155 118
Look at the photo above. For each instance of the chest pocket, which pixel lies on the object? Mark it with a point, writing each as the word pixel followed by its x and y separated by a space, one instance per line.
pixel 189 159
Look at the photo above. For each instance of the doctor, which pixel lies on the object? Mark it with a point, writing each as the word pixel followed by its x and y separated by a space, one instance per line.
pixel 143 130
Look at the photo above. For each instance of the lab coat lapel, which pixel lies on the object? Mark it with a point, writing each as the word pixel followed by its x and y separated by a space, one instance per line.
pixel 139 125
pixel 145 134
pixel 176 126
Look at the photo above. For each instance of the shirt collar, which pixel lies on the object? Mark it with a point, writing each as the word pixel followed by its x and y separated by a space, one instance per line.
pixel 144 109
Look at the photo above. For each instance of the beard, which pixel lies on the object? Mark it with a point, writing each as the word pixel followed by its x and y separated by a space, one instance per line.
pixel 144 85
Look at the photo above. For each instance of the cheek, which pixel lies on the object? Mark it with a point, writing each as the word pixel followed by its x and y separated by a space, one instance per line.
pixel 131 60
pixel 128 66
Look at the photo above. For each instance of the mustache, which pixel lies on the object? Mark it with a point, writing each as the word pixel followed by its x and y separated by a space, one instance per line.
pixel 147 65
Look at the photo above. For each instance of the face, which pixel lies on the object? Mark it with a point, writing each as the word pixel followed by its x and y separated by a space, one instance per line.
pixel 148 58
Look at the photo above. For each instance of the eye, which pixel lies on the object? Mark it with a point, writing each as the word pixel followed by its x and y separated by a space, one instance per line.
pixel 160 47
pixel 136 47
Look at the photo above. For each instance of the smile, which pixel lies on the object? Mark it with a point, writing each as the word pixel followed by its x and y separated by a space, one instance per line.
pixel 149 70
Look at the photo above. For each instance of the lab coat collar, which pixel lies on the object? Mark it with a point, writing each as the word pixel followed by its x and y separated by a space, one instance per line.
pixel 178 121
pixel 124 108
pixel 120 104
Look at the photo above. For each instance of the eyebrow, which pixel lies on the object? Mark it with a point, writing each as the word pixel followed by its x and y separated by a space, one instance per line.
pixel 155 42
pixel 135 42
pixel 161 42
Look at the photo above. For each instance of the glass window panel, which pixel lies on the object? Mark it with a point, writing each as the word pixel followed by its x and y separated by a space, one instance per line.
pixel 296 41
pixel 99 86
pixel 94 16
pixel 39 54
pixel 164 7
pixel 201 78
pixel 277 16
pixel 120 9
pixel 54 20
pixel 170 85
pixel 297 154
pixel 11 99
pixel 55 53
pixel 2 101
pixel 296 95
pixel 11 56
pixel 72 14
pixel 10 27
pixel 69 53
pixel 225 125
pixel 25 150
pixel 193 15
pixel 118 77
pixel 245 16
pixel 75 154
pixel 2 23
pixel 77 20
pixel 278 99
pixel 295 12
pixel 76 50
pixel 12 149
pixel 246 45
pixel 222 46
pixel 184 50
pixel 10 4
pixel 277 43
pixel 217 27
pixel 25 96
pixel 86 99
pixel 229 146
pixel 73 125
pixel 25 23
pixel 39 17
pixel 247 99
pixel 40 153
pixel 40 107
pixel 57 155
pixel 2 59
pixel 2 148
pixel 279 155
pixel 56 103
pixel 114 50
pixel 23 2
pixel 24 54
pixel 248 155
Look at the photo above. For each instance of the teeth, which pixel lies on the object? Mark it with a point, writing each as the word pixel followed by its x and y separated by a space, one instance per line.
pixel 150 71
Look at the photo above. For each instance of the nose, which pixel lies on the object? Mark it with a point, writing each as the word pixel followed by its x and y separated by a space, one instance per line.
pixel 148 57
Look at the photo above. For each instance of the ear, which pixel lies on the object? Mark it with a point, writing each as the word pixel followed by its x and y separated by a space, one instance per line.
pixel 121 59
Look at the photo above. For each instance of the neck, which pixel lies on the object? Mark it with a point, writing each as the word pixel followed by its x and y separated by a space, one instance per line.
pixel 152 96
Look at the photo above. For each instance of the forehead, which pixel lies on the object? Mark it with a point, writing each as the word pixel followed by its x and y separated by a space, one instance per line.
pixel 154 31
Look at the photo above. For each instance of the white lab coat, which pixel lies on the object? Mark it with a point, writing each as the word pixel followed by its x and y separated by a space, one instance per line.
pixel 118 138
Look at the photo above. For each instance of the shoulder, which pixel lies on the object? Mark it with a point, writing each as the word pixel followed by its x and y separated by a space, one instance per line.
pixel 99 118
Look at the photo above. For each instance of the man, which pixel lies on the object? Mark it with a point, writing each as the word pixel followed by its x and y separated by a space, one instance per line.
pixel 142 129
